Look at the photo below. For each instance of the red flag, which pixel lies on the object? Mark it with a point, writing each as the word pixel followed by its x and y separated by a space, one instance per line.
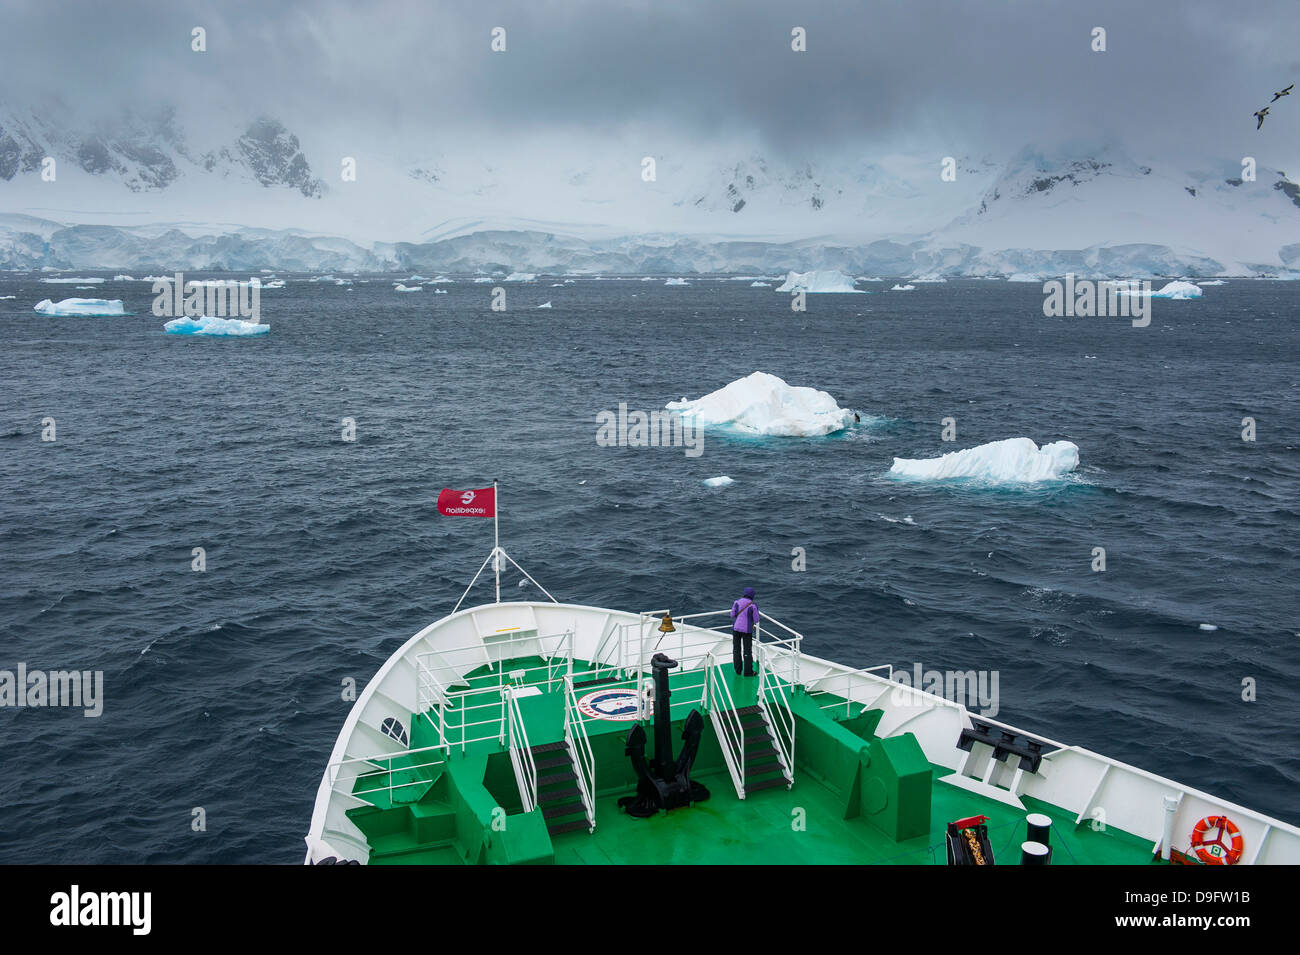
pixel 480 502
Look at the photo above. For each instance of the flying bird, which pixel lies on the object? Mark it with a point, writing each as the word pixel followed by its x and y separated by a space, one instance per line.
pixel 1259 115
pixel 1285 92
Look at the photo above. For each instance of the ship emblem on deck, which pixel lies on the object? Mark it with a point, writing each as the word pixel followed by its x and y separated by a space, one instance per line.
pixel 610 705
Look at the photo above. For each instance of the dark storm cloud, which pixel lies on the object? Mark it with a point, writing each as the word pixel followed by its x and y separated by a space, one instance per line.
pixel 964 76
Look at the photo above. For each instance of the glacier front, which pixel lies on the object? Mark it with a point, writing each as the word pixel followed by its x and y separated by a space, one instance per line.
pixel 763 404
pixel 1011 461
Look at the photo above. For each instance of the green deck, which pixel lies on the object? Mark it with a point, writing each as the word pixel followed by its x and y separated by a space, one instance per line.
pixel 468 809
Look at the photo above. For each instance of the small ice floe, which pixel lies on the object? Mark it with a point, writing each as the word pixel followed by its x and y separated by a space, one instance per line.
pixel 1208 627
pixel 437 291
pixel 677 282
pixel 545 305
pixel 81 306
pixel 1211 282
pixel 123 278
pixel 215 327
pixel 1011 461
pixel 399 287
pixel 520 277
pixel 483 281
pixel 760 284
pixel 763 404
pixel 720 481
pixel 903 288
pixel 2 297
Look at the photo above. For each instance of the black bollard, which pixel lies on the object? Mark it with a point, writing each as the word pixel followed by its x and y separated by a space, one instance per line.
pixel 1035 853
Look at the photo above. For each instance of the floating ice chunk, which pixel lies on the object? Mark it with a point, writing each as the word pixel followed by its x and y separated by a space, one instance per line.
pixel 861 279
pixel 443 280
pixel 399 287
pixel 1207 627
pixel 7 296
pixel 720 481
pixel 81 306
pixel 89 281
pixel 482 281
pixel 677 282
pixel 568 281
pixel 123 278
pixel 903 288
pixel 159 278
pixel 437 291
pixel 1177 290
pixel 760 284
pixel 1211 282
pixel 219 327
pixel 274 283
pixel 828 280
pixel 764 404
pixel 521 276
pixel 648 278
pixel 417 278
pixel 1013 460
pixel 545 305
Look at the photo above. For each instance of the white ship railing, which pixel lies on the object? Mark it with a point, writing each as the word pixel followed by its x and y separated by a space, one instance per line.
pixel 521 755
pixel 818 688
pixel 778 716
pixel 726 724
pixel 382 764
pixel 575 734
pixel 446 710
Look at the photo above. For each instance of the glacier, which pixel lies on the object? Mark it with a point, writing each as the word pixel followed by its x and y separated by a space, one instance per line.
pixel 763 404
pixel 85 307
pixel 824 280
pixel 216 327
pixel 1010 461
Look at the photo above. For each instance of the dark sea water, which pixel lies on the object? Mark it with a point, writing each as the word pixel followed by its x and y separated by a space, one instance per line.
pixel 223 688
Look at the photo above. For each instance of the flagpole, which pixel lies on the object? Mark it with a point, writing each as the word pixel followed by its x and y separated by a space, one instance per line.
pixel 496 536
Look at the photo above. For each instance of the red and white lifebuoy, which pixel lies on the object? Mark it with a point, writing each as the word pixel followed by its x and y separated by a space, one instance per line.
pixel 1217 841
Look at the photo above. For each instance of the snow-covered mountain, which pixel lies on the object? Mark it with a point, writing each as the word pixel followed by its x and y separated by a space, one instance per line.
pixel 146 190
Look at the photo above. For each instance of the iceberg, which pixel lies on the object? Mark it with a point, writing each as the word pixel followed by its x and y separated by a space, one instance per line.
pixel 903 288
pixel 81 306
pixel 720 481
pixel 763 404
pixel 545 305
pixel 1211 282
pixel 399 287
pixel 1011 461
pixel 828 280
pixel 437 291
pixel 123 278
pixel 760 284
pixel 274 283
pixel 1178 290
pixel 520 277
pixel 221 327
pixel 677 282
pixel 1175 290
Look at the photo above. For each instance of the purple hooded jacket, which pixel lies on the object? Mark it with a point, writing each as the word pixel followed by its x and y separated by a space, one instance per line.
pixel 744 613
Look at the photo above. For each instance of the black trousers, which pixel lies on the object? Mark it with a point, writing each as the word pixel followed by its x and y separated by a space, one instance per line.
pixel 743 641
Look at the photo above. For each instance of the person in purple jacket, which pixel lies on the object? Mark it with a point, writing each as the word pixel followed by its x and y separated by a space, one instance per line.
pixel 744 620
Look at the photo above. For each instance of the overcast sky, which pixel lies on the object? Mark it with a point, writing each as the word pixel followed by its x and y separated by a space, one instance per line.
pixel 976 76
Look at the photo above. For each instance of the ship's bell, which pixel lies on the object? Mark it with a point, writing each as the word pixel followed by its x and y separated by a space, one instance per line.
pixel 667 625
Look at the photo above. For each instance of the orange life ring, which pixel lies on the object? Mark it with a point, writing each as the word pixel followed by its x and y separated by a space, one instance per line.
pixel 1216 851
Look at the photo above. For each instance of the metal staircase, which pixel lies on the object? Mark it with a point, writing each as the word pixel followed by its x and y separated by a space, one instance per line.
pixel 559 795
